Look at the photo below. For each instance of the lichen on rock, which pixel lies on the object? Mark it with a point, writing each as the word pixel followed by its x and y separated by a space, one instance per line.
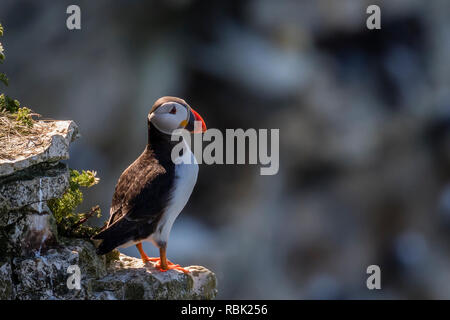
pixel 44 275
pixel 129 278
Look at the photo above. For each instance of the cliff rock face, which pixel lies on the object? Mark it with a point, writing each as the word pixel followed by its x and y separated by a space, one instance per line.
pixel 36 263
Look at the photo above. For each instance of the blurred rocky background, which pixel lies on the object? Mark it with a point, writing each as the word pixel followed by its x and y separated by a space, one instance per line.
pixel 364 119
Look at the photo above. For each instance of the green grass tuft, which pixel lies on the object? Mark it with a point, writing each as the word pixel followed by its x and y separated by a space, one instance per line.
pixel 69 223
pixel 24 117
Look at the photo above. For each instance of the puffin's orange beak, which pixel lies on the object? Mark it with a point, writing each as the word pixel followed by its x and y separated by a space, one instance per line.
pixel 195 117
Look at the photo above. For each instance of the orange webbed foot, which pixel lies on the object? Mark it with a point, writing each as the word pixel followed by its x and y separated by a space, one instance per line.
pixel 171 266
pixel 147 259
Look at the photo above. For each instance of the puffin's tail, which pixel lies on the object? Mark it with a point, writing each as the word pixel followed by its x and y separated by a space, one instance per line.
pixel 105 247
pixel 107 244
pixel 112 237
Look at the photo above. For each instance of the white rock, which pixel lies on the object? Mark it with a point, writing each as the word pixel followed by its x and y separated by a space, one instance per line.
pixel 54 147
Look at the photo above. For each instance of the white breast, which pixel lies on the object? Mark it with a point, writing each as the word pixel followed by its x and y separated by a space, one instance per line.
pixel 185 178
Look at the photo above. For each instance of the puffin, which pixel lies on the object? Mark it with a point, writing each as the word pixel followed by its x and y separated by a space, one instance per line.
pixel 153 190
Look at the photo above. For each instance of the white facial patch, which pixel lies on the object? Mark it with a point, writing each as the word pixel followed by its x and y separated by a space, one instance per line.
pixel 169 117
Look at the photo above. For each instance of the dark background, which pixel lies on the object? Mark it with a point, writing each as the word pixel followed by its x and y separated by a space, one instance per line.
pixel 364 119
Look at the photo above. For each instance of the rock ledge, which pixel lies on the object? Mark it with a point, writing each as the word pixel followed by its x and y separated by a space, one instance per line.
pixel 46 277
pixel 36 263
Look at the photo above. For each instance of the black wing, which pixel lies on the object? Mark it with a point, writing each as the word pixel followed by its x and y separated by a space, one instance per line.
pixel 139 200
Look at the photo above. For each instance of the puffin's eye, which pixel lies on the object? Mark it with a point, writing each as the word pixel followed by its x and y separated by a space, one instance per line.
pixel 173 110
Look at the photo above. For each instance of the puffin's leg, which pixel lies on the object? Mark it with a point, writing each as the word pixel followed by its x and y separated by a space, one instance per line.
pixel 165 264
pixel 144 257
